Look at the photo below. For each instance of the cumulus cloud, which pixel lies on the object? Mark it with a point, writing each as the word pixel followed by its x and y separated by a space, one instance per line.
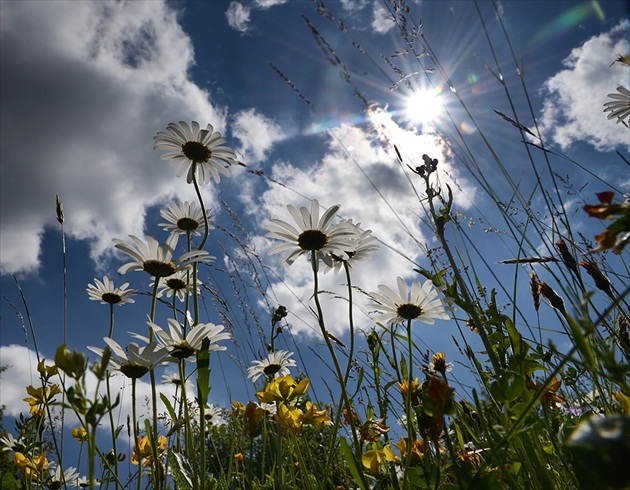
pixel 373 189
pixel 21 364
pixel 574 97
pixel 257 134
pixel 85 87
pixel 238 16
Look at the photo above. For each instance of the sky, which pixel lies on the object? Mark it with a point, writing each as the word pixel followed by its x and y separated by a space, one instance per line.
pixel 308 95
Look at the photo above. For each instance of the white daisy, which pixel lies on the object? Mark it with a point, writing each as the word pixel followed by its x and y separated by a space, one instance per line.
pixel 177 284
pixel 620 107
pixel 184 218
pixel 10 443
pixel 275 364
pixel 57 478
pixel 213 415
pixel 421 303
pixel 197 151
pixel 107 293
pixel 314 234
pixel 136 362
pixel 157 258
pixel 363 244
pixel 180 347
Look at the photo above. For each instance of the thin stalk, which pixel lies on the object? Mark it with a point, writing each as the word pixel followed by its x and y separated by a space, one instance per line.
pixel 196 320
pixel 439 222
pixel 408 406
pixel 136 436
pixel 109 396
pixel 154 436
pixel 60 219
pixel 331 349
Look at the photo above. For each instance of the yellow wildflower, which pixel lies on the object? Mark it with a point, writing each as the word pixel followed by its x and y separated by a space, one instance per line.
pixel 374 459
pixel 40 396
pixel 80 434
pixel 144 450
pixel 283 389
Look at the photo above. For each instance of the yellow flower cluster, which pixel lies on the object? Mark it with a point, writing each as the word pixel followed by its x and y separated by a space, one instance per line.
pixel 31 466
pixel 142 450
pixel 284 391
pixel 40 396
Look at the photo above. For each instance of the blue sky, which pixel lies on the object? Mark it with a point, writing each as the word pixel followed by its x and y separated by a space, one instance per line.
pixel 86 85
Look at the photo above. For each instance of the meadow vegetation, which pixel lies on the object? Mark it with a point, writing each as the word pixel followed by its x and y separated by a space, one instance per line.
pixel 535 416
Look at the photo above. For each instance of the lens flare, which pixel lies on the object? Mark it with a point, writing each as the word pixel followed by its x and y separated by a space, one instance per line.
pixel 424 106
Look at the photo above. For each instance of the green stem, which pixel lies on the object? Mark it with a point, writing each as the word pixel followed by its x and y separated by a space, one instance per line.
pixel 134 416
pixel 196 320
pixel 408 404
pixel 439 222
pixel 109 397
pixel 340 374
pixel 154 436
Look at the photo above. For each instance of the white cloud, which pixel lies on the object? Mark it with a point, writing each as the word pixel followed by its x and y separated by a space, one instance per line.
pixel 257 134
pixel 21 372
pixel 382 21
pixel 574 103
pixel 353 5
pixel 238 16
pixel 343 177
pixel 85 86
pixel 265 4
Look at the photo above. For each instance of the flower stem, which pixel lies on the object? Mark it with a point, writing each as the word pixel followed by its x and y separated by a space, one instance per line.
pixel 340 374
pixel 136 437
pixel 109 396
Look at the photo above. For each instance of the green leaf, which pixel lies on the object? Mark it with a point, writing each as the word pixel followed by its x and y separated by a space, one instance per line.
pixel 352 463
pixel 507 387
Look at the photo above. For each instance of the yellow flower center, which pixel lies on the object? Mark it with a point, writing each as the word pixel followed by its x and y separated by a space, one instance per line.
pixel 183 350
pixel 176 284
pixel 312 240
pixel 158 269
pixel 408 311
pixel 196 152
pixel 187 224
pixel 111 298
pixel 133 371
pixel 271 369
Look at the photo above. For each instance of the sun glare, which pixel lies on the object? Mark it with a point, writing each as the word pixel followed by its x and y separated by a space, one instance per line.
pixel 424 106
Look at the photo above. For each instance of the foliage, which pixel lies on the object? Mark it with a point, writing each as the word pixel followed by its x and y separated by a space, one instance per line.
pixel 538 416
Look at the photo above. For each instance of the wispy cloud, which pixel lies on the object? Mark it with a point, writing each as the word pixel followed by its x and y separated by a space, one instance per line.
pixel 575 96
pixel 238 16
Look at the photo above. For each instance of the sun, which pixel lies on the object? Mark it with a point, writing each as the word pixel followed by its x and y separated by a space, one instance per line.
pixel 424 106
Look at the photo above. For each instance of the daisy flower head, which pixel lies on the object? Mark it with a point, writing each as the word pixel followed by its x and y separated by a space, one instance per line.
pixel 420 303
pixel 362 244
pixel 620 106
pixel 274 365
pixel 156 258
pixel 178 284
pixel 313 234
pixel 184 218
pixel 213 415
pixel 439 365
pixel 198 152
pixel 58 478
pixel 181 346
pixel 136 362
pixel 107 293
